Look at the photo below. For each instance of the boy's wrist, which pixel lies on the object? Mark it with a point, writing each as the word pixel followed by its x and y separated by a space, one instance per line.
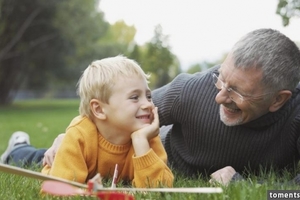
pixel 140 145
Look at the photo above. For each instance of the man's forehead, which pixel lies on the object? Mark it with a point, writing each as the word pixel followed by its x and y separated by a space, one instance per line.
pixel 244 79
pixel 226 69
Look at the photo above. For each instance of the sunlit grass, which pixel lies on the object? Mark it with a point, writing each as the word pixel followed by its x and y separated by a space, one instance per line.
pixel 41 119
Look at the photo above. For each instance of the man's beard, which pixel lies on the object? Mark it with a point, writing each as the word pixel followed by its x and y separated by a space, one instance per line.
pixel 227 121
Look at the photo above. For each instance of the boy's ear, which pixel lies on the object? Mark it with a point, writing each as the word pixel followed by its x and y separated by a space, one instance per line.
pixel 279 100
pixel 97 109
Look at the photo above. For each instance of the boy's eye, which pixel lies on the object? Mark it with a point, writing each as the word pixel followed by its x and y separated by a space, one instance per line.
pixel 134 97
pixel 149 97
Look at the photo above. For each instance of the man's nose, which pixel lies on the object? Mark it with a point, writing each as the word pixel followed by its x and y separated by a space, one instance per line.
pixel 223 96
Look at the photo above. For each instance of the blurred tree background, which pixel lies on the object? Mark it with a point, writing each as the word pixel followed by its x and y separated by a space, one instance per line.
pixel 45 46
pixel 288 9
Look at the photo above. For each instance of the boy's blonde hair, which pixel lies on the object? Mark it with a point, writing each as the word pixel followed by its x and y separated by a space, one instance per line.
pixel 99 77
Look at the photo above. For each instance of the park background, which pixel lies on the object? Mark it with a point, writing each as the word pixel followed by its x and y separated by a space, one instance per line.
pixel 45 46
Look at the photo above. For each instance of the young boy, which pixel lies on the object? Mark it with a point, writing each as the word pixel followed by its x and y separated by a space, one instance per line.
pixel 118 124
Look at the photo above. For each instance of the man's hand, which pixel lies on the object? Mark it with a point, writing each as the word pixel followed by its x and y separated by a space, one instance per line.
pixel 50 153
pixel 222 176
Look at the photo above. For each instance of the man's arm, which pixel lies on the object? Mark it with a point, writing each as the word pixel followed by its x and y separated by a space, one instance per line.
pixel 50 153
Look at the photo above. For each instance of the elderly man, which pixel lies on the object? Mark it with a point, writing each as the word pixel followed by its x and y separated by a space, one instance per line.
pixel 241 116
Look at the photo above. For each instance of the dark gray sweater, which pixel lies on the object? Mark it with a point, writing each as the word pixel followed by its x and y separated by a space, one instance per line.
pixel 200 143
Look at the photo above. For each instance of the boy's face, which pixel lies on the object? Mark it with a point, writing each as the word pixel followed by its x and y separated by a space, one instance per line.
pixel 130 105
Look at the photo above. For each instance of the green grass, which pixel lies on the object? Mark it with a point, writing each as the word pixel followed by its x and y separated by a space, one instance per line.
pixel 45 119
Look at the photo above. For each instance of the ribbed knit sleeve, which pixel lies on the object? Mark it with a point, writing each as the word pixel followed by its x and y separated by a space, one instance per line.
pixel 151 171
pixel 168 98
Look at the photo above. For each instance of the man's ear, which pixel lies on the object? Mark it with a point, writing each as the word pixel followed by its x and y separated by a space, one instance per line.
pixel 279 100
pixel 97 109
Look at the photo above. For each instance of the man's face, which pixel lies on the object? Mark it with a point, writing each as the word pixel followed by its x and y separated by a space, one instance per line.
pixel 247 83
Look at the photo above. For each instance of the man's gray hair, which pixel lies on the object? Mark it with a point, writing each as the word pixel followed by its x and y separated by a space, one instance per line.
pixel 274 53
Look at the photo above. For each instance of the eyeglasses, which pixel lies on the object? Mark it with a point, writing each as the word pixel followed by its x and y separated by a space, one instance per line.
pixel 233 95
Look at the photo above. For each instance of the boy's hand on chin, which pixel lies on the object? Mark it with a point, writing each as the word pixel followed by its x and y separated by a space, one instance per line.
pixel 140 138
pixel 149 131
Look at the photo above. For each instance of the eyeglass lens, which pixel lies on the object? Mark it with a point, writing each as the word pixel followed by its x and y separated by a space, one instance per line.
pixel 232 94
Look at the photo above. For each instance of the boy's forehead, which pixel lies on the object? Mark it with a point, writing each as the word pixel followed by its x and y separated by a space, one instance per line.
pixel 135 81
pixel 131 77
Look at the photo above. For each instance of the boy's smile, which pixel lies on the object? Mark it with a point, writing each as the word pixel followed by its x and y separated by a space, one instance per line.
pixel 145 118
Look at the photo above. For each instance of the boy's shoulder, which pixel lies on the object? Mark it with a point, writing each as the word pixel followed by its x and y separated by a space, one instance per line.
pixel 77 120
pixel 83 125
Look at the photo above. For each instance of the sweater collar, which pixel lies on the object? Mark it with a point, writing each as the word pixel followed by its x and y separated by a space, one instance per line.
pixel 266 120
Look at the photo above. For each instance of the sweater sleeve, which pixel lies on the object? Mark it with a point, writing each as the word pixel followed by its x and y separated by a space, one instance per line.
pixel 151 170
pixel 167 97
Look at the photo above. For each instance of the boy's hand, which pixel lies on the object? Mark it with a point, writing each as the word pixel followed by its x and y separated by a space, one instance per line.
pixel 50 153
pixel 141 137
pixel 151 130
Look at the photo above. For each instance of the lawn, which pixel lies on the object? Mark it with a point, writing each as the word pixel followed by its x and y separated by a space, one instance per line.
pixel 44 119
pixel 41 119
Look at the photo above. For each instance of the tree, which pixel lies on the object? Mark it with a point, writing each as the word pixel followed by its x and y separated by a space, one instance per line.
pixel 198 67
pixel 158 60
pixel 24 37
pixel 43 41
pixel 80 25
pixel 120 33
pixel 119 39
pixel 201 67
pixel 136 53
pixel 288 9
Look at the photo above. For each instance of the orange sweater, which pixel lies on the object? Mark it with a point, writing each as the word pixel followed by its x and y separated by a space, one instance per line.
pixel 84 153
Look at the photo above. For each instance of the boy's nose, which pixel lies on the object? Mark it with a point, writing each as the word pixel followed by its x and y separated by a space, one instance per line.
pixel 147 104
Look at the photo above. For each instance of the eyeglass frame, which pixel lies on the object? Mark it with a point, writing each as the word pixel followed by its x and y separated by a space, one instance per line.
pixel 242 98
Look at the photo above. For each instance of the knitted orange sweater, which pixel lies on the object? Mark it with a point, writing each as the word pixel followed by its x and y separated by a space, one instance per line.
pixel 84 153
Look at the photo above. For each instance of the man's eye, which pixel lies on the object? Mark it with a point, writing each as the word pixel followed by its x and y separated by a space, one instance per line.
pixel 221 78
